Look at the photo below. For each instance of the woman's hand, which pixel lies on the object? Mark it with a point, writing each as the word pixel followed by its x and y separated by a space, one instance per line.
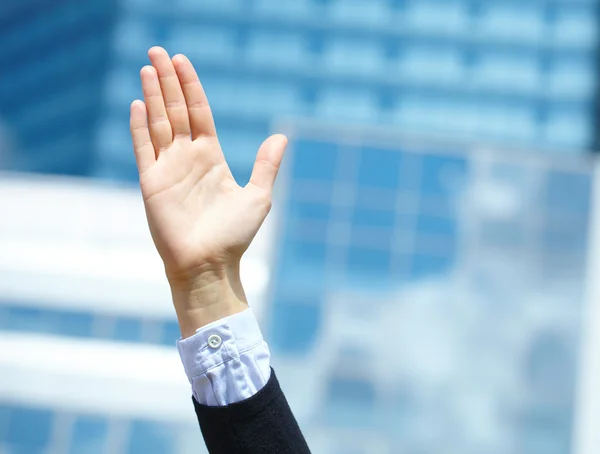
pixel 201 221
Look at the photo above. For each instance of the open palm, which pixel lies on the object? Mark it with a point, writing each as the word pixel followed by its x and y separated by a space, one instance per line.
pixel 198 215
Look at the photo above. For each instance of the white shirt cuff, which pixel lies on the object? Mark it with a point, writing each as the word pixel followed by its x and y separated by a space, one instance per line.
pixel 226 361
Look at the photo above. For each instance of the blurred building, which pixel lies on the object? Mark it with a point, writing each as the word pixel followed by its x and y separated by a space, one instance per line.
pixel 492 71
pixel 448 275
pixel 53 61
pixel 430 234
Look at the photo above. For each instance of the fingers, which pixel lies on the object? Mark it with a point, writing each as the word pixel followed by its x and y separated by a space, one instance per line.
pixel 158 121
pixel 172 93
pixel 268 161
pixel 201 120
pixel 142 143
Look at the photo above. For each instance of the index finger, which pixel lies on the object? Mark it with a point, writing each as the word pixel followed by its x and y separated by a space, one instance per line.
pixel 201 119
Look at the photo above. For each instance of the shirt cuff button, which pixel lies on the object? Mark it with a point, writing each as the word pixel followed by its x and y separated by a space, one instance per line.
pixel 214 341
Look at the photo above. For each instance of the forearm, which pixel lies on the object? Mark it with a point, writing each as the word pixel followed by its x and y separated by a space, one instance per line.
pixel 212 294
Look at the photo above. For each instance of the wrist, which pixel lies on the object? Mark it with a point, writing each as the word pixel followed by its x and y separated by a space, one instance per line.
pixel 207 296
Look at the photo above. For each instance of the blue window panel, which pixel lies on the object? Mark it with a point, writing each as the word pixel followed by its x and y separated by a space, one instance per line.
pixel 128 329
pixel 353 56
pixel 565 224
pixel 309 232
pixel 402 264
pixel 350 402
pixel 545 429
pixel 54 22
pixel 441 17
pixel 223 46
pixel 239 146
pixel 451 116
pixel 341 104
pixel 426 266
pixel 436 225
pixel 222 93
pixel 432 64
pixel 563 265
pixel 550 363
pixel 120 170
pixel 89 435
pixel 568 192
pixel 375 199
pixel 75 324
pixel 352 390
pixel 379 168
pixel 372 238
pixel 24 449
pixel 170 333
pixel 443 207
pixel 315 160
pixel 508 122
pixel 151 438
pixel 147 5
pixel 112 135
pixel 442 175
pixel 561 241
pixel 294 323
pixel 437 245
pixel 284 50
pixel 133 38
pixel 360 12
pixel 223 6
pixel 503 234
pixel 300 252
pixel 407 223
pixel 512 175
pixel 416 112
pixel 298 9
pixel 575 26
pixel 122 84
pixel 241 174
pixel 302 265
pixel 571 78
pixel 300 279
pixel 363 261
pixel 31 319
pixel 572 130
pixel 310 191
pixel 3 316
pixel 268 99
pixel 514 21
pixel 364 217
pixel 307 210
pixel 25 77
pixel 4 418
pixel 29 428
pixel 507 71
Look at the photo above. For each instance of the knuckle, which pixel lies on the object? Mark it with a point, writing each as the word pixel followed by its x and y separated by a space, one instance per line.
pixel 159 120
pixel 198 105
pixel 175 104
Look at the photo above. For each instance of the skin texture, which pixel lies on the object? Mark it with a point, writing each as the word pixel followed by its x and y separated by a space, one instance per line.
pixel 200 219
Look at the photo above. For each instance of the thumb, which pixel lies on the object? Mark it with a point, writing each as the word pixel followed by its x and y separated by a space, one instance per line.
pixel 268 160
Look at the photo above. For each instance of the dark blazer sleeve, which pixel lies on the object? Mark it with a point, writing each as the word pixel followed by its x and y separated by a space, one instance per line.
pixel 262 424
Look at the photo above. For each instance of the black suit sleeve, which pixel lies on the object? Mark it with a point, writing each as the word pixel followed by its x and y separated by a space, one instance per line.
pixel 262 424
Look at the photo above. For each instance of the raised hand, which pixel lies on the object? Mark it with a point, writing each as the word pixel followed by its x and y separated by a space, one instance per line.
pixel 200 219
